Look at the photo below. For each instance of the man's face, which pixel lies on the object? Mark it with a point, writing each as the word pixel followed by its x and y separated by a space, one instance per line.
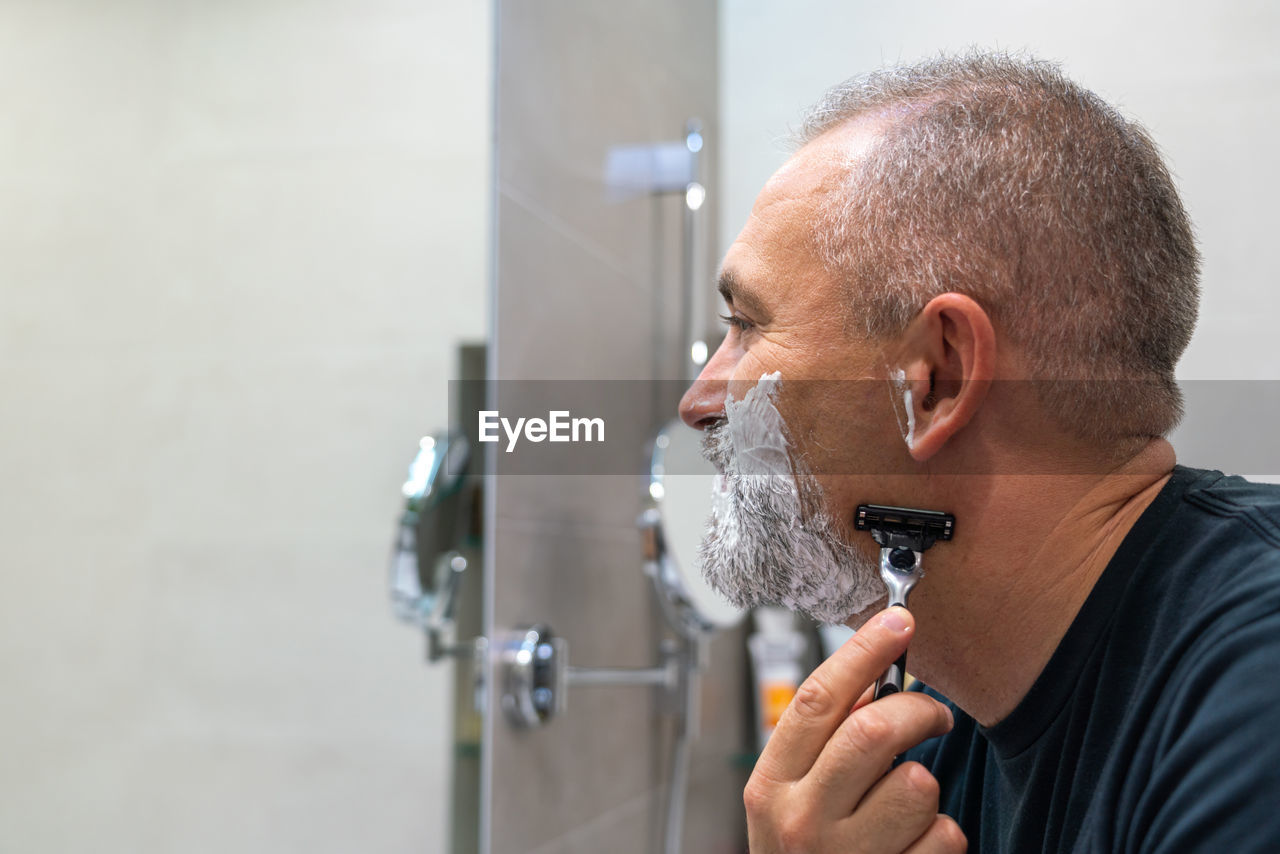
pixel 777 535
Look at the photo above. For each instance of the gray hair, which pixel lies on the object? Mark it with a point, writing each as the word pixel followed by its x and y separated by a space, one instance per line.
pixel 999 178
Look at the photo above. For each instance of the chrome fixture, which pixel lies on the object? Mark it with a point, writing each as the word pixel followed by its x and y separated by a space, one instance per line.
pixel 426 571
pixel 695 194
pixel 537 674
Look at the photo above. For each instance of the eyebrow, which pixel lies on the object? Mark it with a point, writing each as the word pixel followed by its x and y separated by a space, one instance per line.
pixel 736 293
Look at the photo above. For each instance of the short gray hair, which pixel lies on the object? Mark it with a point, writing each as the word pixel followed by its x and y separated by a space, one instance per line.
pixel 999 178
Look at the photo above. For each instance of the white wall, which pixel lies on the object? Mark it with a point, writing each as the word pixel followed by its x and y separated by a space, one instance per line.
pixel 238 244
pixel 1204 78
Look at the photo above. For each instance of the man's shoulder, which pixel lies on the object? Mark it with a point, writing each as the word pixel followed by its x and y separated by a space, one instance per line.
pixel 1189 664
pixel 1214 566
pixel 1255 505
pixel 1211 531
pixel 1213 599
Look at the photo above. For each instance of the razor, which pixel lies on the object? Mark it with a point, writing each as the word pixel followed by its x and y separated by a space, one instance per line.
pixel 903 534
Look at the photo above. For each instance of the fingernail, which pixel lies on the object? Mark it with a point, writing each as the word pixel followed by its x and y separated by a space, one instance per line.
pixel 895 619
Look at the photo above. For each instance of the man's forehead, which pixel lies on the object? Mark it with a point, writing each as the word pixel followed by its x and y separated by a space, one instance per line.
pixel 774 237
pixel 773 253
pixel 807 173
pixel 816 169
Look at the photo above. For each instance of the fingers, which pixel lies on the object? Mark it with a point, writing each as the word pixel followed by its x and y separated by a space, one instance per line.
pixel 900 813
pixel 862 749
pixel 943 837
pixel 824 699
pixel 867 696
pixel 897 811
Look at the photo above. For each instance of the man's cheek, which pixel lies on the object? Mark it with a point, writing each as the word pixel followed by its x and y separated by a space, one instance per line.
pixel 837 491
pixel 753 364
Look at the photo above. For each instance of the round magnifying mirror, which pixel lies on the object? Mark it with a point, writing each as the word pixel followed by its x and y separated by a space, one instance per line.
pixel 424 565
pixel 680 483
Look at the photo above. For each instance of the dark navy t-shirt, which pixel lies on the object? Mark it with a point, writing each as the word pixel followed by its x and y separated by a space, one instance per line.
pixel 1155 726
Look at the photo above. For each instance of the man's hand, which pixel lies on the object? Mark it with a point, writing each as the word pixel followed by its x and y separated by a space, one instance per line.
pixel 823 783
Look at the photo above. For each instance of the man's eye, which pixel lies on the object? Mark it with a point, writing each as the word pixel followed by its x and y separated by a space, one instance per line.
pixel 739 323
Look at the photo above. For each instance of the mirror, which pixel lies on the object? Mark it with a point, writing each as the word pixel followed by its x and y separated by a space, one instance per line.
pixel 680 484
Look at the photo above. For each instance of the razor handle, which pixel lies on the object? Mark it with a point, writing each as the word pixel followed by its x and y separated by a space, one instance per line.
pixel 893 679
pixel 900 569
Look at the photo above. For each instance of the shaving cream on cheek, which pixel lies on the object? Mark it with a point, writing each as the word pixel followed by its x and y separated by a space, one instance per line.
pixel 757 431
pixel 758 437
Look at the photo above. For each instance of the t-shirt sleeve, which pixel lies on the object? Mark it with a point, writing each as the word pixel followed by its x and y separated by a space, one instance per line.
pixel 1214 784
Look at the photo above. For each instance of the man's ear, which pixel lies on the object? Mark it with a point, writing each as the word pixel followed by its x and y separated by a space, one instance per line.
pixel 948 361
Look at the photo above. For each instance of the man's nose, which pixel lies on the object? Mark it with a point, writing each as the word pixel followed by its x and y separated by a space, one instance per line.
pixel 703 403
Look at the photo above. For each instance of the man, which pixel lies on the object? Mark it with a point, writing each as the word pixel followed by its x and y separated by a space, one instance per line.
pixel 967 291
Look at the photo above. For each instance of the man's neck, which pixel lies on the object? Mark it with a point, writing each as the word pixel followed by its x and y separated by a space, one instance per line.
pixel 992 612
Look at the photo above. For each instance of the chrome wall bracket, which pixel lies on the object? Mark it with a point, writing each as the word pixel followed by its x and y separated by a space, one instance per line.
pixel 536 675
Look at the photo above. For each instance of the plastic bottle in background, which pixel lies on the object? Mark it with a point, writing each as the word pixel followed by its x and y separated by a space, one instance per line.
pixel 777 652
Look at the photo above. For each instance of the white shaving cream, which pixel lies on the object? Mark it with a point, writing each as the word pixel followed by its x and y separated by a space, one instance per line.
pixel 900 383
pixel 757 436
pixel 759 548
pixel 757 430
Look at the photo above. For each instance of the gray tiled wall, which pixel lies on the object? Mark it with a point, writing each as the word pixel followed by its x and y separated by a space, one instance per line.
pixel 588 288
